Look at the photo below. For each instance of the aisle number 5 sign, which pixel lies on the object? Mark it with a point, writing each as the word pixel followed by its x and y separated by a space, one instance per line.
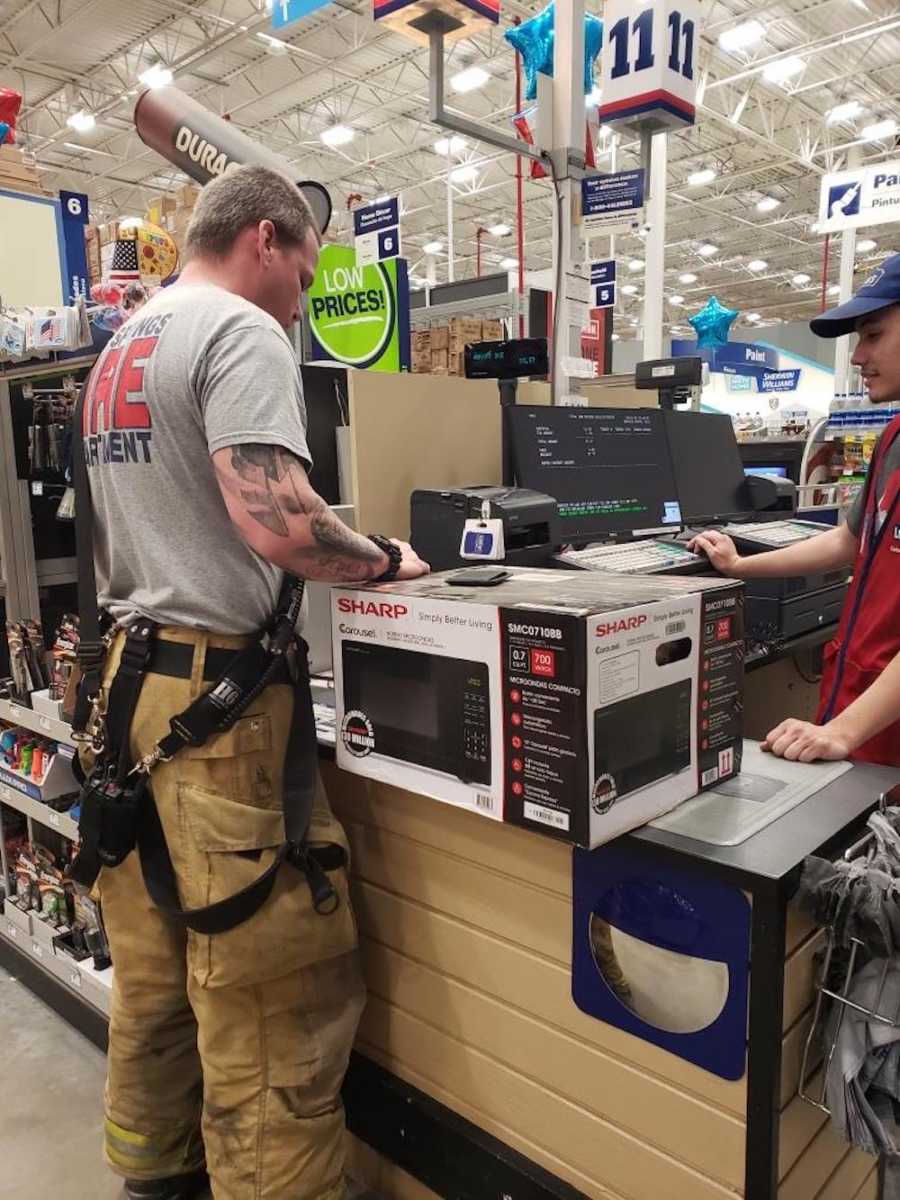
pixel 649 63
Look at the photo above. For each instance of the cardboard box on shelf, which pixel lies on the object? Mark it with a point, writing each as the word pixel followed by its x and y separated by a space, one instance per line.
pixel 492 331
pixel 421 363
pixel 440 337
pixel 439 359
pixel 421 341
pixel 187 196
pixel 574 704
pixel 456 362
pixel 438 371
pixel 463 331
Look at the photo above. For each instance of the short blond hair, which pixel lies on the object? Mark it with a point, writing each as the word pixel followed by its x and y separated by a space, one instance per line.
pixel 242 197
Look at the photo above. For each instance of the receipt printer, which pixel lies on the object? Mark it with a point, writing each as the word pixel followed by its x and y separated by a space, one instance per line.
pixel 438 522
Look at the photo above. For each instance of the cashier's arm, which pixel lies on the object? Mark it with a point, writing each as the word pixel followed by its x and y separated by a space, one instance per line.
pixel 279 515
pixel 826 552
pixel 876 708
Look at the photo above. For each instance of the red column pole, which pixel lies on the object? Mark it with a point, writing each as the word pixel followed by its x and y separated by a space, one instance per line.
pixel 520 202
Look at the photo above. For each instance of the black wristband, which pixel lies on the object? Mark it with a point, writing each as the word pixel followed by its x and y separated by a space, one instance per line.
pixel 394 553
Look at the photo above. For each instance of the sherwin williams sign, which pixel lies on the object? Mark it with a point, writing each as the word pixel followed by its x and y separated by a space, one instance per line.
pixel 359 315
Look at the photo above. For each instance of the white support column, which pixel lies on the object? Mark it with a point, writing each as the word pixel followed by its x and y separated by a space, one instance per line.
pixel 655 157
pixel 571 311
pixel 848 260
pixel 450 268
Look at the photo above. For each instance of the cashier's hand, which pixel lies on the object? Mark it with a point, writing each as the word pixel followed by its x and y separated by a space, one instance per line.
pixel 801 741
pixel 719 549
pixel 412 566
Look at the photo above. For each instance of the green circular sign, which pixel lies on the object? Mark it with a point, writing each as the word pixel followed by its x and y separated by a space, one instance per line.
pixel 352 309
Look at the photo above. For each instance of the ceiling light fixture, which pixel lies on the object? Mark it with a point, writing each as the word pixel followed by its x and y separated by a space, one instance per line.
pixel 629 289
pixel 131 222
pixel 276 45
pixel 757 264
pixel 451 145
pixel 708 250
pixel 464 174
pixel 337 135
pixel 156 76
pixel 843 112
pixel 783 69
pixel 499 230
pixel 676 299
pixel 687 277
pixel 432 247
pixel 879 130
pixel 752 316
pixel 698 178
pixel 469 79
pixel 593 97
pixel 767 204
pixel 509 264
pixel 740 37
pixel 866 245
pixel 801 278
pixel 636 264
pixel 82 121
pixel 834 290
pixel 615 338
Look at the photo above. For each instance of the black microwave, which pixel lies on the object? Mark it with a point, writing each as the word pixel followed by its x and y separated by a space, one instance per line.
pixel 641 740
pixel 423 708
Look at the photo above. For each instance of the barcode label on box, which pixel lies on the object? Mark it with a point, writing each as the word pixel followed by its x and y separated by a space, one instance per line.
pixel 483 800
pixel 546 816
pixel 37 949
pixel 12 931
pixel 75 979
pixel 709 776
pixel 675 627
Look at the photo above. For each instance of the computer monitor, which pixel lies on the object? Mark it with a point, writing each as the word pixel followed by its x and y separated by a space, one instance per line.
pixel 607 468
pixel 709 474
pixel 779 471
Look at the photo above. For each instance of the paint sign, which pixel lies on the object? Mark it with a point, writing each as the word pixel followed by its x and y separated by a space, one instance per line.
pixel 864 196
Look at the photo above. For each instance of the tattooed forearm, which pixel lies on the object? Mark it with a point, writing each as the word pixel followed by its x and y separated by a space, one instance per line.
pixel 269 486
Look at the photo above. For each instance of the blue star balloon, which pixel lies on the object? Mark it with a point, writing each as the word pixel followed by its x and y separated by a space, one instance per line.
pixel 4 130
pixel 534 41
pixel 712 323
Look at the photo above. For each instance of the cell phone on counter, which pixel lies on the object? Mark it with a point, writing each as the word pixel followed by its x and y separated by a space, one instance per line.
pixel 478 577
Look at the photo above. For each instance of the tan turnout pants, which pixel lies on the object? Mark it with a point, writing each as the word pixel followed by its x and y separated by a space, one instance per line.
pixel 245 1034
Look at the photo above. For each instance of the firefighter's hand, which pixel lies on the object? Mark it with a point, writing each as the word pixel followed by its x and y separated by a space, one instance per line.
pixel 720 550
pixel 412 566
pixel 801 741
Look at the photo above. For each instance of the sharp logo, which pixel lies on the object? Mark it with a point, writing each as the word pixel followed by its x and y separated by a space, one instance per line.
pixel 202 152
pixel 624 625
pixel 372 608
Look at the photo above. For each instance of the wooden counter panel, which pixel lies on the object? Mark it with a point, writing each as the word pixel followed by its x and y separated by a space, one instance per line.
pixel 616 1092
pixel 814 1171
pixel 800 1125
pixel 496 1097
pixel 792 1056
pixel 509 908
pixel 799 974
pixel 869 1189
pixel 799 927
pixel 853 1173
pixel 514 975
pixel 501 848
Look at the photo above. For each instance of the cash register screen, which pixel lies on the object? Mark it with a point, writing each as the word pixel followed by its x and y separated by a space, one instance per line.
pixel 607 468
pixel 709 474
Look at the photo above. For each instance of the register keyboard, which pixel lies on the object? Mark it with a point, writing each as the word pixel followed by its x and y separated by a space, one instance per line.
pixel 637 558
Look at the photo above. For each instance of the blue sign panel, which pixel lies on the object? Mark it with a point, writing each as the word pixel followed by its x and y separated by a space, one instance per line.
pixel 75 215
pixel 603 272
pixel 375 217
pixel 612 196
pixel 734 358
pixel 286 12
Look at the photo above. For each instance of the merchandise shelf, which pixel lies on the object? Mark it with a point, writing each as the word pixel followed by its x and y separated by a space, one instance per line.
pixel 37 722
pixel 91 986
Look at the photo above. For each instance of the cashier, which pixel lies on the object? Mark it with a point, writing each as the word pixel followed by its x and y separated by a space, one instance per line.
pixel 859 704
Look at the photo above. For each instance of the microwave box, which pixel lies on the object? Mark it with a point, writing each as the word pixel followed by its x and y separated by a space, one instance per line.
pixel 575 705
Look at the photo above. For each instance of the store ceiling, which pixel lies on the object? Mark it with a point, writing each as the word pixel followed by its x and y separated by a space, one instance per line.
pixel 763 139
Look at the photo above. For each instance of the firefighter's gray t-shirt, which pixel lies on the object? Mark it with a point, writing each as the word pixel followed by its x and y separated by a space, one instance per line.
pixel 196 370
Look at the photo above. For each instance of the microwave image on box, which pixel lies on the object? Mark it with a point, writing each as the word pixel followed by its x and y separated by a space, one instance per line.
pixel 639 741
pixel 419 708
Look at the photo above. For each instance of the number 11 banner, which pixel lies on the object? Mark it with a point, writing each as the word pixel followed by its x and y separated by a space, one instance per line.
pixel 649 63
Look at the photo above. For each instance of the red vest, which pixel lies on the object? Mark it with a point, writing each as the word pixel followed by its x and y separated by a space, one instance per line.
pixel 869 633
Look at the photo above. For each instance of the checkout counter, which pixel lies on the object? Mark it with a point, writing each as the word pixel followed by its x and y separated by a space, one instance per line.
pixel 476 1072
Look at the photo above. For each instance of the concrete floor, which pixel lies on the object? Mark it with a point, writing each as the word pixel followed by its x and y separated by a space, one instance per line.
pixel 52 1119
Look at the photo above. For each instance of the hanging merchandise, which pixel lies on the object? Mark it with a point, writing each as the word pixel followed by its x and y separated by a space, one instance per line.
pixel 712 323
pixel 26 658
pixel 533 39
pixel 36 332
pixel 10 103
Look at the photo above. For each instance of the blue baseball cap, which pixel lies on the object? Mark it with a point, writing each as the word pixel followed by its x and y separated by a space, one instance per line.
pixel 881 290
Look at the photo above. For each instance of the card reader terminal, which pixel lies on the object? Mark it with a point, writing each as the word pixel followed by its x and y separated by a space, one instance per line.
pixel 637 558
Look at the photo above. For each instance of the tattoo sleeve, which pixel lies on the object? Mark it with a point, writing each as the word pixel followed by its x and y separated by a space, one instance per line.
pixel 271 486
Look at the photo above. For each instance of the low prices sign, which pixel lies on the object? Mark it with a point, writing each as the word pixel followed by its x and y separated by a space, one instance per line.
pixel 359 314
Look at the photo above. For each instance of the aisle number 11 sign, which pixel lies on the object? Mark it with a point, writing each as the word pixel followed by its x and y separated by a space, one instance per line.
pixel 649 63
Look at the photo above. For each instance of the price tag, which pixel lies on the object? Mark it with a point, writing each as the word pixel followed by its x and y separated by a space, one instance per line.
pixel 53 819
pixel 37 488
pixel 37 950
pixel 12 931
pixel 75 980
pixel 44 723
pixel 14 712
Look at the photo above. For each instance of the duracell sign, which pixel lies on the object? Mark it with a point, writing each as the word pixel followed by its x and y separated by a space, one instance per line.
pixel 202 152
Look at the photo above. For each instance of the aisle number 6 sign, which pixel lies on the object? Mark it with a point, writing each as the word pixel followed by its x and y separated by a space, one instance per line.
pixel 649 63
